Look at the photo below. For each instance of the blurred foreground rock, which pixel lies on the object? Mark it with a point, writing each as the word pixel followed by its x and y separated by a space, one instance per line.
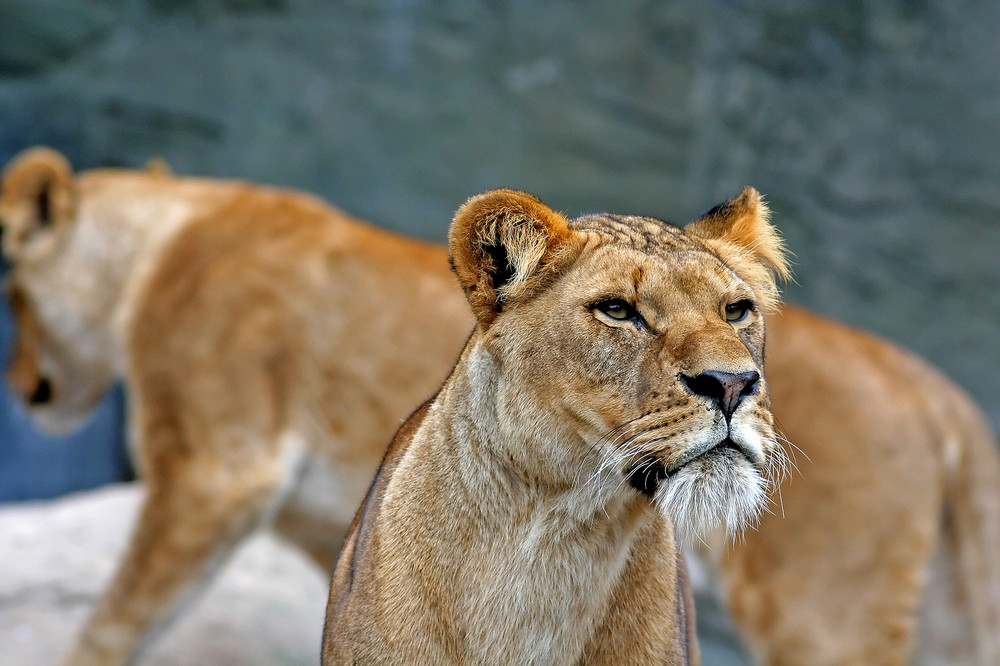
pixel 265 608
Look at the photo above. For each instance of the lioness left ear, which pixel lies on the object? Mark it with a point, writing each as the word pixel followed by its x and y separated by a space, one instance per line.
pixel 504 245
pixel 40 181
pixel 740 230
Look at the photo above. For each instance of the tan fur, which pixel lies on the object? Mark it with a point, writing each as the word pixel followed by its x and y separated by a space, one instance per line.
pixel 269 343
pixel 898 468
pixel 505 526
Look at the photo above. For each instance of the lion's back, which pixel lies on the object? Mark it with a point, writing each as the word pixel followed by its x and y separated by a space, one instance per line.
pixel 273 304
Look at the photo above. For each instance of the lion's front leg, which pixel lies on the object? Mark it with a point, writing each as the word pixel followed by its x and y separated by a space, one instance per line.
pixel 192 517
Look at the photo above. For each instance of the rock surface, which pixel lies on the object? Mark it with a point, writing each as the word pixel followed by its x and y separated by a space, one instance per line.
pixel 873 128
pixel 265 609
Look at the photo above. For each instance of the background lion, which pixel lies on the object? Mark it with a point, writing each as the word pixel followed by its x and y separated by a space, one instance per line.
pixel 270 345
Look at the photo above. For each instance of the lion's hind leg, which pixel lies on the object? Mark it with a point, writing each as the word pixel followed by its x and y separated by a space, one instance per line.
pixel 196 510
pixel 960 623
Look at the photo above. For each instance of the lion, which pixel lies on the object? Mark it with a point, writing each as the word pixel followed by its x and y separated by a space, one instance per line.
pixel 612 391
pixel 264 371
pixel 888 525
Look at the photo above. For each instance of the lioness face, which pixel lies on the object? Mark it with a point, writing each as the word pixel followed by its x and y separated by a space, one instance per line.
pixel 644 344
pixel 58 390
pixel 38 207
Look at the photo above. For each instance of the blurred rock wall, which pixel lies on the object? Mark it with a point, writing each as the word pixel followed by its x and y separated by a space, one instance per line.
pixel 873 127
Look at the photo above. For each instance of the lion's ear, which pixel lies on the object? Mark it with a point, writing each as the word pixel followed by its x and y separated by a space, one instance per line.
pixel 504 245
pixel 740 229
pixel 39 194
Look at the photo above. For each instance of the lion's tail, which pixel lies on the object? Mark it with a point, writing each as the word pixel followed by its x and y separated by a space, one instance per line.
pixel 972 521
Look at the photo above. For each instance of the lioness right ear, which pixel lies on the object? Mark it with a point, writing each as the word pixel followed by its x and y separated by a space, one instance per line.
pixel 741 231
pixel 504 245
pixel 39 194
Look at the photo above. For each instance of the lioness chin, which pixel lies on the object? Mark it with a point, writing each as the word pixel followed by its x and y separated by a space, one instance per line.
pixel 612 389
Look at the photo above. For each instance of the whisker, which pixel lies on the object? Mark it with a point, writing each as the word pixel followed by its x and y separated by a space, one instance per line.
pixel 611 437
pixel 779 434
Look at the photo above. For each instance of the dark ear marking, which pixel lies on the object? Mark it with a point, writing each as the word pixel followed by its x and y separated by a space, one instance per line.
pixel 43 203
pixel 41 183
pixel 502 270
pixel 505 245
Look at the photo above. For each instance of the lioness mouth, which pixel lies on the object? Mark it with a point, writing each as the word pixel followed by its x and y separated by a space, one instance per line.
pixel 727 444
pixel 646 477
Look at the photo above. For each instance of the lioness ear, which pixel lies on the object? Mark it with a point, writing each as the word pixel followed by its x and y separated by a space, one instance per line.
pixel 159 168
pixel 741 232
pixel 39 194
pixel 504 245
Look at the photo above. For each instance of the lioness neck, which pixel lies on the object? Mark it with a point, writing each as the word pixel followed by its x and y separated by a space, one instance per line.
pixel 521 571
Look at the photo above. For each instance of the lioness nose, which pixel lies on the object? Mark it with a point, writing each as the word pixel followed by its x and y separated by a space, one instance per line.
pixel 725 388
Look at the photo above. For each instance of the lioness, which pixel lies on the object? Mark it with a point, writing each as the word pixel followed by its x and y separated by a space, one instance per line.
pixel 613 381
pixel 193 290
pixel 264 371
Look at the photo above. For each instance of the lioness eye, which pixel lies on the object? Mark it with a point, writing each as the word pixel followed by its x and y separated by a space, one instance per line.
pixel 738 311
pixel 618 309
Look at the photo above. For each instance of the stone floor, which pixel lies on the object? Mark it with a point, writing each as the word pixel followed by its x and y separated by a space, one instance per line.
pixel 265 609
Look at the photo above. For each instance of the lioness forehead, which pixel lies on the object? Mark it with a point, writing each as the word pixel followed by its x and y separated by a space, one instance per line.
pixel 644 234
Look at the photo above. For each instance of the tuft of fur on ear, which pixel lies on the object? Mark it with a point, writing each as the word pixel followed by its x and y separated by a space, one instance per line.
pixel 504 245
pixel 158 168
pixel 740 231
pixel 39 183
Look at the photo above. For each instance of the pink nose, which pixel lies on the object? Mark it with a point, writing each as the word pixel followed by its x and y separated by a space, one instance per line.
pixel 726 389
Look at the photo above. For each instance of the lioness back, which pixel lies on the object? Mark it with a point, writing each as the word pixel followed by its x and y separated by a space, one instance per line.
pixel 275 279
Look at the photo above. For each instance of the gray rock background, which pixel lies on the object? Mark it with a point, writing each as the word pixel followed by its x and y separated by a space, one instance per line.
pixel 872 127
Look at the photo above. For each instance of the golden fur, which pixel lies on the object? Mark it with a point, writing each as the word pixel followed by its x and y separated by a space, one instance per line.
pixel 525 514
pixel 892 517
pixel 265 371
pixel 886 549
